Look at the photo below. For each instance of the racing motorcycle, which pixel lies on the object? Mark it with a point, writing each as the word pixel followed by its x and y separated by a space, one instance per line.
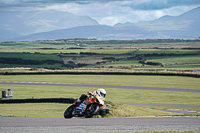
pixel 92 106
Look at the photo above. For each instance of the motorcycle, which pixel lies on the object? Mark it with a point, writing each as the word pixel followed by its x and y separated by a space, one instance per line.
pixel 92 106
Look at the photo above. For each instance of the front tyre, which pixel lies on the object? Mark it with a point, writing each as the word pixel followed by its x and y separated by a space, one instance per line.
pixel 91 110
pixel 68 111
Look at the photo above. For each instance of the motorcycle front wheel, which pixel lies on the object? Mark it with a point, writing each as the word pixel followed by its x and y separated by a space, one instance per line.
pixel 91 110
pixel 68 111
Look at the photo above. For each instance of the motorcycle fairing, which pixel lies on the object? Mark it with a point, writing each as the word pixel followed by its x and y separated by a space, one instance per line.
pixel 90 100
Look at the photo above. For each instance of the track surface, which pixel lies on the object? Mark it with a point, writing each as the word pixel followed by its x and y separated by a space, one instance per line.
pixel 26 124
pixel 103 86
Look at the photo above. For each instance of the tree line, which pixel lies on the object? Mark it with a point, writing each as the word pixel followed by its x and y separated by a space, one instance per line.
pixel 27 62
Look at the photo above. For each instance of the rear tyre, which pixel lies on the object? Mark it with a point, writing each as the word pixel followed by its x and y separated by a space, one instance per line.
pixel 68 111
pixel 91 110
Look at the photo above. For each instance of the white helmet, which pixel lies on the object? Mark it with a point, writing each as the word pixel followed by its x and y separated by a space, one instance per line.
pixel 101 93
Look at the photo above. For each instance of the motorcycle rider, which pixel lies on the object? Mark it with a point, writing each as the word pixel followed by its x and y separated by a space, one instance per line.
pixel 100 92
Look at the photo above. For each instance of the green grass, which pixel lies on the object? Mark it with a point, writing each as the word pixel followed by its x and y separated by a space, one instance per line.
pixel 124 80
pixel 45 51
pixel 176 59
pixel 35 45
pixel 33 57
pixel 183 67
pixel 82 43
pixel 33 110
pixel 53 66
pixel 119 110
pixel 104 51
pixel 91 59
pixel 114 95
pixel 26 56
pixel 191 62
pixel 168 51
pixel 57 110
pixel 51 51
pixel 177 62
pixel 112 51
pixel 124 63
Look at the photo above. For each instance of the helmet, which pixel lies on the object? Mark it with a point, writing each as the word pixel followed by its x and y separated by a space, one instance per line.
pixel 101 93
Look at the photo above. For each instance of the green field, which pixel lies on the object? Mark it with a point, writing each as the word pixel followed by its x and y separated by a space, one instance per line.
pixel 90 43
pixel 124 80
pixel 176 60
pixel 123 58
pixel 184 59
pixel 168 51
pixel 43 51
pixel 57 110
pixel 115 96
pixel 27 56
pixel 176 55
pixel 36 60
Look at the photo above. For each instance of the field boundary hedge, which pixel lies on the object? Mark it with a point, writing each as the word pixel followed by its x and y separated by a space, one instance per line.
pixel 109 73
pixel 41 100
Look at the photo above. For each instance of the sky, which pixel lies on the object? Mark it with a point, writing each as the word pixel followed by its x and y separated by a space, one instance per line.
pixel 106 12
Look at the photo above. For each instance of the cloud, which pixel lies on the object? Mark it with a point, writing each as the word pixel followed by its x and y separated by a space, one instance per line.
pixel 163 4
pixel 139 4
pixel 107 12
pixel 110 13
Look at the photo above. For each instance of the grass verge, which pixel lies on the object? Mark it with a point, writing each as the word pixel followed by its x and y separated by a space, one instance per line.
pixel 115 96
pixel 57 110
pixel 124 80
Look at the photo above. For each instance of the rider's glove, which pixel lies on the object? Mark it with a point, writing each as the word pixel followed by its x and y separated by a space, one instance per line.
pixel 90 93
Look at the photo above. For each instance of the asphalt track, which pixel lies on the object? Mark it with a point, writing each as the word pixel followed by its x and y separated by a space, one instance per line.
pixel 34 124
pixel 103 86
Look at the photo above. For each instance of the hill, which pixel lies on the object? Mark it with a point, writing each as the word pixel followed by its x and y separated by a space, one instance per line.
pixel 183 26
pixel 102 32
pixel 168 27
pixel 30 22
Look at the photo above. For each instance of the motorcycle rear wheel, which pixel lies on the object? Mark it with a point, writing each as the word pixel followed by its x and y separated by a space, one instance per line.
pixel 68 111
pixel 91 110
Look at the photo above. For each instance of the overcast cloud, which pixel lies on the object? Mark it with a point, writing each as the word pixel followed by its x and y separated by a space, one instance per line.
pixel 108 12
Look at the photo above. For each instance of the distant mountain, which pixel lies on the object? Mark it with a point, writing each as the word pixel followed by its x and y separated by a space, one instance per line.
pixel 76 32
pixel 25 23
pixel 5 35
pixel 186 25
pixel 96 31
